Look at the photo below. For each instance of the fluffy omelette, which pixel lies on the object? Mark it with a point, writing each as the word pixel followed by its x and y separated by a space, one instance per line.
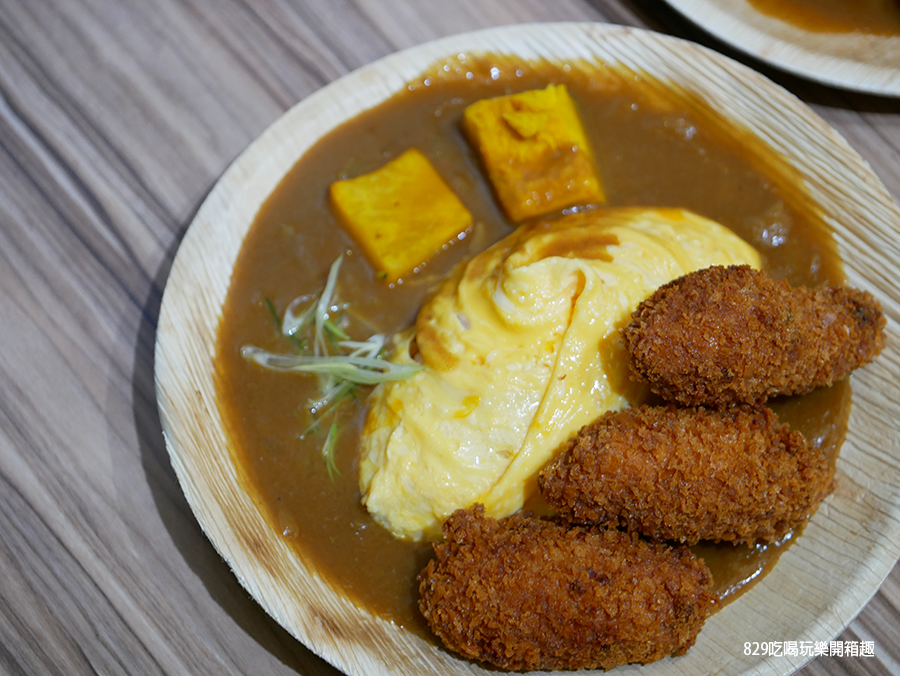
pixel 520 349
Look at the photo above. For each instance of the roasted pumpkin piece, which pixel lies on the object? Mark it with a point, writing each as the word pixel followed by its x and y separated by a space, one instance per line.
pixel 400 214
pixel 535 151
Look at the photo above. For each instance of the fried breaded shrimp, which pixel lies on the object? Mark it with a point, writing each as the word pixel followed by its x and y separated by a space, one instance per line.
pixel 688 474
pixel 725 335
pixel 525 593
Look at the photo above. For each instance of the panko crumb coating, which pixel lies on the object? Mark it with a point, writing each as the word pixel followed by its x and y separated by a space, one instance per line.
pixel 687 475
pixel 525 593
pixel 726 335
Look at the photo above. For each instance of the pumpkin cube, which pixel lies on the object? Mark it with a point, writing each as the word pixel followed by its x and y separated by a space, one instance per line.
pixel 400 214
pixel 535 151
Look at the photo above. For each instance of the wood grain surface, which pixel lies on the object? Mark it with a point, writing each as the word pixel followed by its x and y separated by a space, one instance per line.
pixel 116 119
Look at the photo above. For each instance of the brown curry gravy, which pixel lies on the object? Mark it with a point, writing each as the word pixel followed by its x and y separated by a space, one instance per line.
pixel 874 17
pixel 650 151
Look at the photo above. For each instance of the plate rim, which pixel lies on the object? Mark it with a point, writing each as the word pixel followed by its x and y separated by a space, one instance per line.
pixel 173 331
pixel 788 56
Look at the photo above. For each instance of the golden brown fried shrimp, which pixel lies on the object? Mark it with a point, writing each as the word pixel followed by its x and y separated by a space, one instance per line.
pixel 525 593
pixel 727 335
pixel 689 474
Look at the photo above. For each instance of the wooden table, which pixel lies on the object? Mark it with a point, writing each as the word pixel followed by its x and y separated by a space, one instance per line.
pixel 116 118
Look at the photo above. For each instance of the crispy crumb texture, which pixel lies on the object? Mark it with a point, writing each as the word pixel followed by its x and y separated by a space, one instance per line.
pixel 688 474
pixel 524 593
pixel 727 335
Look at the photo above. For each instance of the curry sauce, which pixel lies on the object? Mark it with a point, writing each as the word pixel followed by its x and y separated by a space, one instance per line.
pixel 650 150
pixel 873 17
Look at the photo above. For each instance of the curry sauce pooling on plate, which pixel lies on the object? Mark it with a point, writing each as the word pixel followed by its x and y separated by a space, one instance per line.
pixel 653 145
pixel 870 17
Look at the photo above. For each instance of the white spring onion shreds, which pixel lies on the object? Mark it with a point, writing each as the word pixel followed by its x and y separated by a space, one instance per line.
pixel 328 450
pixel 358 370
pixel 293 323
pixel 339 363
pixel 320 345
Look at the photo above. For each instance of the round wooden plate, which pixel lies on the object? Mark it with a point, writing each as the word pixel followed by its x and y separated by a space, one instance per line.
pixel 855 61
pixel 819 584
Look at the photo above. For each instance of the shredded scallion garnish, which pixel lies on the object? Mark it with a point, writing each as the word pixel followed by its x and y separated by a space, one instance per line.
pixel 340 363
pixel 320 346
pixel 358 370
pixel 293 323
pixel 270 306
pixel 328 451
